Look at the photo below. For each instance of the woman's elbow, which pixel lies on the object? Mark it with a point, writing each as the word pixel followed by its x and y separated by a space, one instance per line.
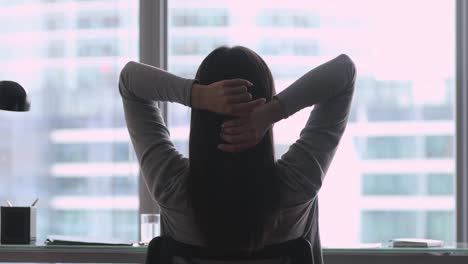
pixel 125 71
pixel 124 88
pixel 349 65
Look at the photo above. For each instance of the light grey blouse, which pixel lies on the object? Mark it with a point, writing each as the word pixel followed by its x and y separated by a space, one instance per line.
pixel 329 87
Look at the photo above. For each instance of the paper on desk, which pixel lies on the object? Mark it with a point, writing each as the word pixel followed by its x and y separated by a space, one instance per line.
pixel 354 245
pixel 80 240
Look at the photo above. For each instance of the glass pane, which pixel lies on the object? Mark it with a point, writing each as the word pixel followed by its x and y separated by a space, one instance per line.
pixel 395 164
pixel 72 149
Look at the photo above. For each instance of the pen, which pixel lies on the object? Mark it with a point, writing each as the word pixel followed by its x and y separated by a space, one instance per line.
pixel 9 204
pixel 35 202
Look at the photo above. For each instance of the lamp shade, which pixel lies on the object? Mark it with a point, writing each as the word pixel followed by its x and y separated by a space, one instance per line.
pixel 13 97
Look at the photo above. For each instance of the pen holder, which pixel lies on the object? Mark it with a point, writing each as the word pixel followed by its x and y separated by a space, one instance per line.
pixel 18 225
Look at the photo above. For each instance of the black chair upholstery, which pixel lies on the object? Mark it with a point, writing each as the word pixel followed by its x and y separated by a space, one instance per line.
pixel 163 249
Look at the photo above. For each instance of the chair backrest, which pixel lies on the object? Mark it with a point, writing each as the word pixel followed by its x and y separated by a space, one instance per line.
pixel 165 250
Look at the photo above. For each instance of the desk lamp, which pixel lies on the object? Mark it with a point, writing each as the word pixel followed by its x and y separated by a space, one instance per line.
pixel 19 220
pixel 13 97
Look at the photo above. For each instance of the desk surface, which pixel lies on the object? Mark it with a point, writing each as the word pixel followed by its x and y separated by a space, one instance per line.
pixel 77 254
pixel 136 254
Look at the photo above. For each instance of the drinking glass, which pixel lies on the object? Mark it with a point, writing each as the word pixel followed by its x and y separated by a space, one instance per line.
pixel 150 227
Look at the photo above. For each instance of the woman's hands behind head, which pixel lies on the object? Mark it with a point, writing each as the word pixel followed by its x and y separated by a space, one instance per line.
pixel 247 131
pixel 229 97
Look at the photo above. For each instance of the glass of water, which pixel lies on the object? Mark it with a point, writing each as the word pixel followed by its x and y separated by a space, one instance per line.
pixel 150 227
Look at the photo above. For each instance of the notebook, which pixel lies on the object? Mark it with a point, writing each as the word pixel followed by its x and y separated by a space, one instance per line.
pixel 84 241
pixel 416 243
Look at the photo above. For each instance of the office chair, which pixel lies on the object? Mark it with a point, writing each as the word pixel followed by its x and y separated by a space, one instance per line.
pixel 165 250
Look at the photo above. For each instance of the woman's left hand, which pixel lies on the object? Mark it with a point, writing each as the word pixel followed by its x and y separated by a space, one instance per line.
pixel 230 97
pixel 245 132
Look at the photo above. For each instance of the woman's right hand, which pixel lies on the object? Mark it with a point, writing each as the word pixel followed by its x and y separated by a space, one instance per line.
pixel 247 131
pixel 229 97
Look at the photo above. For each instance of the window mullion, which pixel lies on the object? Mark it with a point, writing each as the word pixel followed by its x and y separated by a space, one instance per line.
pixel 462 120
pixel 153 46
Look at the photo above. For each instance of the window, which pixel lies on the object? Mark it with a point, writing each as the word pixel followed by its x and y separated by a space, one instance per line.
pixel 395 164
pixel 96 20
pixel 195 17
pixel 98 47
pixel 405 147
pixel 54 21
pixel 86 152
pixel 293 47
pixel 294 18
pixel 72 149
pixel 55 49
pixel 195 45
pixel 407 224
pixel 431 184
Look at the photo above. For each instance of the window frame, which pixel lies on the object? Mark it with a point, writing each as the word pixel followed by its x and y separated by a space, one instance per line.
pixel 461 135
pixel 153 47
pixel 153 51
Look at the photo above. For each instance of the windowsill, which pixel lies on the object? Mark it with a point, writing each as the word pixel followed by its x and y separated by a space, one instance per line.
pixel 136 254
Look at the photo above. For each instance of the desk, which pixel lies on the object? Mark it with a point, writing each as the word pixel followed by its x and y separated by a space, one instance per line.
pixel 386 255
pixel 70 254
pixel 136 254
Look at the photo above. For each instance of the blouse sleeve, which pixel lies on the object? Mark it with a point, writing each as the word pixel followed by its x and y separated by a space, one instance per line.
pixel 141 87
pixel 329 87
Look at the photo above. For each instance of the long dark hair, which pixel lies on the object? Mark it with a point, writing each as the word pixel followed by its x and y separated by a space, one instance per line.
pixel 234 195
